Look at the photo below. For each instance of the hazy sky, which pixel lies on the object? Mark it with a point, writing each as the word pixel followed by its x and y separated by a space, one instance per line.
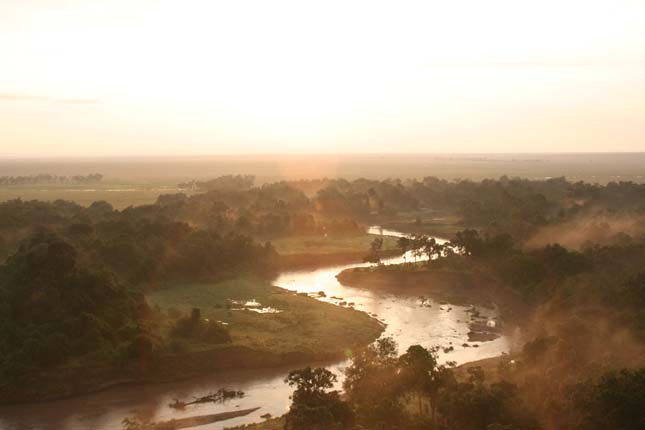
pixel 106 77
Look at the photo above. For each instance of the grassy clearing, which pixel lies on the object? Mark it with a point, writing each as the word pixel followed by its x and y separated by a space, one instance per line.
pixel 442 229
pixel 303 325
pixel 314 244
pixel 429 222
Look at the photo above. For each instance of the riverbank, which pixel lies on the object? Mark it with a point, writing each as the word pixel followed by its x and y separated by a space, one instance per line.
pixel 285 328
pixel 263 317
pixel 77 381
pixel 460 287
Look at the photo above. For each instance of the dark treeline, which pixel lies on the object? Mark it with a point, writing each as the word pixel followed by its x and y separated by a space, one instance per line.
pixel 55 309
pixel 45 178
pixel 140 244
pixel 520 207
pixel 412 391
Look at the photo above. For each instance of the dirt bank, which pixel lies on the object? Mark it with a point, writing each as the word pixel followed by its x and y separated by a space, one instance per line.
pixel 73 381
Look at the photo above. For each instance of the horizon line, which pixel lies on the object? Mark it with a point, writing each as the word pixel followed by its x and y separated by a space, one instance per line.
pixel 304 154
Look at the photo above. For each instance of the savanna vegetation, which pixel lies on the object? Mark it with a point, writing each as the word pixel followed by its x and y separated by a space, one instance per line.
pixel 584 331
pixel 581 366
pixel 91 285
pixel 80 285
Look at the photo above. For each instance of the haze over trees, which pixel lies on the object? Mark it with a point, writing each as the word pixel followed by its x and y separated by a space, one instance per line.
pixel 46 178
pixel 74 279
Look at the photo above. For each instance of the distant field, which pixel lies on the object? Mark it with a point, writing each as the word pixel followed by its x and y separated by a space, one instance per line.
pixel 140 180
pixel 119 194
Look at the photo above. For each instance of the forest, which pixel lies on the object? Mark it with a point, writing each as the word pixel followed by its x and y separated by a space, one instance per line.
pixel 76 283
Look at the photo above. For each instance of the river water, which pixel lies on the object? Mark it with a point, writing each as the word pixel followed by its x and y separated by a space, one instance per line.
pixel 407 320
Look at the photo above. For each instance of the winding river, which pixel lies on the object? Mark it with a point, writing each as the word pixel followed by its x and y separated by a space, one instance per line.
pixel 408 322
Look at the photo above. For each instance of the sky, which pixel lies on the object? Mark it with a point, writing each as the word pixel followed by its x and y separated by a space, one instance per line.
pixel 161 77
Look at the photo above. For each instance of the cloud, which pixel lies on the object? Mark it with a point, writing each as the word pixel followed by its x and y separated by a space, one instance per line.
pixel 30 98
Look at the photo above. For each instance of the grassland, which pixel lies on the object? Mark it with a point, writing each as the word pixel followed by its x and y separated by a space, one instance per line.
pixel 119 194
pixel 305 252
pixel 329 244
pixel 302 324
pixel 429 222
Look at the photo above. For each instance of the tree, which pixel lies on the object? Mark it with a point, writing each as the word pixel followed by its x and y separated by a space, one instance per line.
pixel 474 405
pixel 421 373
pixel 311 382
pixel 56 308
pixel 417 366
pixel 312 406
pixel 432 249
pixel 373 385
pixel 616 401
pixel 374 254
pixel 417 244
pixel 469 242
pixel 404 245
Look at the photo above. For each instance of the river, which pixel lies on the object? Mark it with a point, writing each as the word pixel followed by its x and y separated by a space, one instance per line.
pixel 407 321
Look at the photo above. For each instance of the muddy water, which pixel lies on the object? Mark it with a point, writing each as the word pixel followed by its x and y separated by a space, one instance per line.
pixel 406 318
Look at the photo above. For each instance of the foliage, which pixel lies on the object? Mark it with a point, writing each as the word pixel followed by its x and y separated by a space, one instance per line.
pixel 420 372
pixel 194 326
pixel 374 254
pixel 476 406
pixel 312 406
pixel 373 384
pixel 616 401
pixel 55 308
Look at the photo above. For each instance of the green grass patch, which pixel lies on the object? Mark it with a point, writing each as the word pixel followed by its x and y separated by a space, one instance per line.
pixel 430 222
pixel 119 194
pixel 317 244
pixel 302 325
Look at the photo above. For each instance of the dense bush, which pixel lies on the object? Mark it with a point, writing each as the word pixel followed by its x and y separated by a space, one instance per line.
pixel 194 326
pixel 55 308
pixel 615 401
